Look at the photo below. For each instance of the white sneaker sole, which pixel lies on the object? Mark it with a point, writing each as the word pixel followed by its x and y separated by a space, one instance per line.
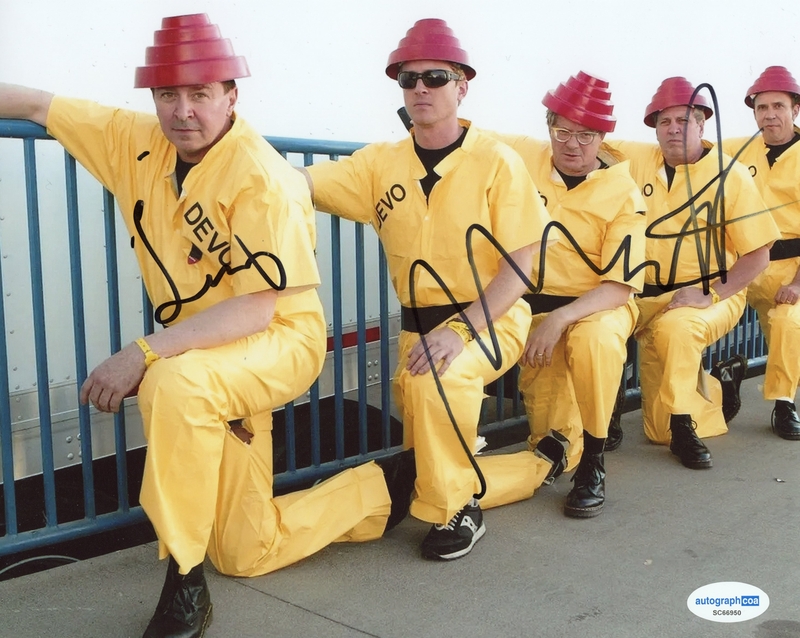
pixel 461 552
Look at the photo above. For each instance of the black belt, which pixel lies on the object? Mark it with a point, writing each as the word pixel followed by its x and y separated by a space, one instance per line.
pixel 784 249
pixel 546 303
pixel 653 290
pixel 425 319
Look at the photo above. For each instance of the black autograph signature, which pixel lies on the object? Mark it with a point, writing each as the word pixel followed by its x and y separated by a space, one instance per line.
pixel 169 311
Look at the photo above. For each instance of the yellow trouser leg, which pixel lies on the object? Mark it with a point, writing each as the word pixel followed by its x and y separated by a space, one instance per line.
pixel 781 326
pixel 445 478
pixel 196 471
pixel 596 353
pixel 671 346
pixel 550 401
pixel 255 533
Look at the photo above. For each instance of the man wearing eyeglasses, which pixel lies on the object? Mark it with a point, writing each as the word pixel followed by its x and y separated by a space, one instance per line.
pixel 576 348
pixel 422 195
pixel 707 239
pixel 773 159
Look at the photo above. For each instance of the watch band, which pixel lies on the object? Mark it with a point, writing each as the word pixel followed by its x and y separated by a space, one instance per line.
pixel 150 357
pixel 461 329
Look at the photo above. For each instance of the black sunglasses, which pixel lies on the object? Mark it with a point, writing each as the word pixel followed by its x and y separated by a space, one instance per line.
pixel 433 78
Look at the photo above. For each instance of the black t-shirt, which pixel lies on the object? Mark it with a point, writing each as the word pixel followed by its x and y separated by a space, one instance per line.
pixel 774 151
pixel 181 171
pixel 575 180
pixel 671 169
pixel 431 157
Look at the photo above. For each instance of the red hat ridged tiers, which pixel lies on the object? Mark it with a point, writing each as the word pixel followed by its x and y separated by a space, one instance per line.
pixel 774 78
pixel 584 99
pixel 675 91
pixel 429 39
pixel 189 50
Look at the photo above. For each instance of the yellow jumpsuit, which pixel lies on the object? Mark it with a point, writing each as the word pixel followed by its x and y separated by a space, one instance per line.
pixel 577 392
pixel 671 344
pixel 780 188
pixel 482 182
pixel 203 488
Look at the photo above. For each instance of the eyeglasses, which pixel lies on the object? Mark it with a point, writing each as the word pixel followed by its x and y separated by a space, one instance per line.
pixel 583 137
pixel 433 78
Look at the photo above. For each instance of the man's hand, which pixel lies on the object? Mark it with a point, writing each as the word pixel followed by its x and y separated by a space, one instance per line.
pixel 538 350
pixel 788 294
pixel 691 297
pixel 114 379
pixel 444 346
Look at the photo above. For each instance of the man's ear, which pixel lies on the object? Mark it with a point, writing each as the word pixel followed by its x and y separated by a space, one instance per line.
pixel 233 96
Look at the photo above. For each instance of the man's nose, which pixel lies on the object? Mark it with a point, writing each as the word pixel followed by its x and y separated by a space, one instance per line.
pixel 183 108
pixel 420 87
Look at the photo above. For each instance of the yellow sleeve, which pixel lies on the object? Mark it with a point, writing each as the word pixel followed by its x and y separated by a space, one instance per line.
pixel 519 217
pixel 748 222
pixel 272 243
pixel 99 137
pixel 344 187
pixel 626 229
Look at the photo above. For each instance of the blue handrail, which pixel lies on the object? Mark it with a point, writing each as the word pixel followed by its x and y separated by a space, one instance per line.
pixel 746 337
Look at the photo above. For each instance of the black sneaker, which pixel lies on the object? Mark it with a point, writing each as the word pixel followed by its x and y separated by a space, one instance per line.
pixel 458 537
pixel 553 448
pixel 730 374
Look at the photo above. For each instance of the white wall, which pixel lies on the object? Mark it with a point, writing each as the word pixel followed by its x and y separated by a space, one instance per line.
pixel 317 66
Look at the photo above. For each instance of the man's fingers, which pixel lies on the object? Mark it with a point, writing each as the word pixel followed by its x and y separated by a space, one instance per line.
pixel 85 390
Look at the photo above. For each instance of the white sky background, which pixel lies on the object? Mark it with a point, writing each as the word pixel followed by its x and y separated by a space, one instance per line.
pixel 318 66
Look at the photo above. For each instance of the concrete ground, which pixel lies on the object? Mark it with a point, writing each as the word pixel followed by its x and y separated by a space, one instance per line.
pixel 665 531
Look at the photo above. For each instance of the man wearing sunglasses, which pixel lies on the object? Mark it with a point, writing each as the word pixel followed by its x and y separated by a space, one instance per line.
pixel 576 348
pixel 422 195
pixel 196 186
pixel 774 160
pixel 707 239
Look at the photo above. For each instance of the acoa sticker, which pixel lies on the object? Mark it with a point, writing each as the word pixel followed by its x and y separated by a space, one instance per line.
pixel 728 602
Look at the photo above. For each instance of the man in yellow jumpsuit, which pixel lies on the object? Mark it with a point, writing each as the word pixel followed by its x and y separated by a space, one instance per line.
pixel 223 230
pixel 706 241
pixel 423 195
pixel 576 349
pixel 773 159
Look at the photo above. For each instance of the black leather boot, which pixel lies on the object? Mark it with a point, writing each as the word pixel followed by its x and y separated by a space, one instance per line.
pixel 588 494
pixel 400 472
pixel 184 608
pixel 614 436
pixel 686 445
pixel 730 374
pixel 785 422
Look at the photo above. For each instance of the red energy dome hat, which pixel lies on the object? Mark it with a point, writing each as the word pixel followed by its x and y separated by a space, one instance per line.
pixel 583 99
pixel 675 91
pixel 429 39
pixel 189 50
pixel 774 78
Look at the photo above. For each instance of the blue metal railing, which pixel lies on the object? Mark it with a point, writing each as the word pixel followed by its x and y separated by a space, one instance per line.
pixel 745 338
